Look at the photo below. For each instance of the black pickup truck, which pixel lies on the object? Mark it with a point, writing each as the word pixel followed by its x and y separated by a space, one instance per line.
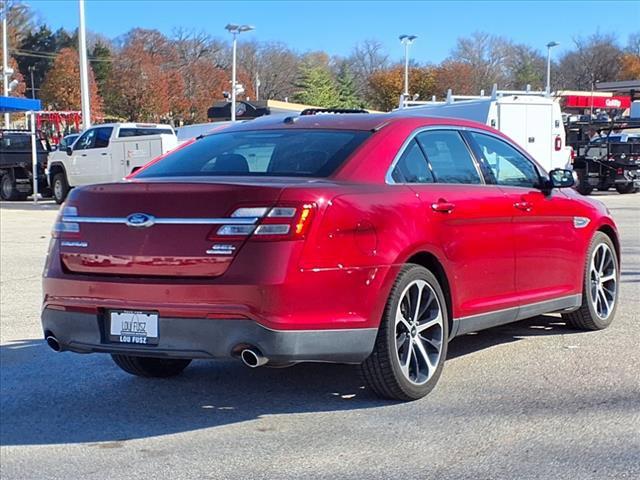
pixel 16 172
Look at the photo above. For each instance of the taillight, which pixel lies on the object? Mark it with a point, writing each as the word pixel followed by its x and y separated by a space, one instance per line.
pixel 558 144
pixel 282 222
pixel 65 227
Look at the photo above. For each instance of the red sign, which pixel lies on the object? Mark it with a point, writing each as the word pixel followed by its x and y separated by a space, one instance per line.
pixel 586 101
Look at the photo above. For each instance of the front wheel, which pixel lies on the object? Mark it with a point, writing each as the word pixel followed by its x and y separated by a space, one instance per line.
pixel 60 187
pixel 600 287
pixel 151 367
pixel 411 345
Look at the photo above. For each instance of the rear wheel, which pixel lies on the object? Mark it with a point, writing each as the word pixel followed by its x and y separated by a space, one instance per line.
pixel 151 367
pixel 411 345
pixel 600 287
pixel 584 189
pixel 626 188
pixel 60 187
pixel 8 190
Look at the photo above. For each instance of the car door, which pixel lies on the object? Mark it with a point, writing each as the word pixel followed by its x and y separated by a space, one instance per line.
pixel 99 167
pixel 467 219
pixel 79 164
pixel 543 222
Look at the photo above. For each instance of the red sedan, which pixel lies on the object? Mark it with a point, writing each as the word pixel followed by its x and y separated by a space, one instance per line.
pixel 353 238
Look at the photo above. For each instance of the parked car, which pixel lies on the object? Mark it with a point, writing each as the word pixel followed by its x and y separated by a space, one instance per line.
pixel 16 165
pixel 364 239
pixel 108 153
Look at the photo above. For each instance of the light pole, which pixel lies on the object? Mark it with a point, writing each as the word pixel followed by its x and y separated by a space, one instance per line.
pixel 550 45
pixel 235 30
pixel 84 70
pixel 406 40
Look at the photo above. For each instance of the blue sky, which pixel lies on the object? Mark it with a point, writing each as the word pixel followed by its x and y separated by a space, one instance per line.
pixel 335 26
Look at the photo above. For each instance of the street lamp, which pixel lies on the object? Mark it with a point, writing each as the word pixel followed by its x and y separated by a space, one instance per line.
pixel 550 45
pixel 235 30
pixel 406 40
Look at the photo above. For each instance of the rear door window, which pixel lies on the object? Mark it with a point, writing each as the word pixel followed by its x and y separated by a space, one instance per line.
pixel 141 132
pixel 103 135
pixel 450 159
pixel 297 153
pixel 412 167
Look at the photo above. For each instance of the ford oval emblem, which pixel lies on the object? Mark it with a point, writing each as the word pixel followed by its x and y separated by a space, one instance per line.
pixel 140 220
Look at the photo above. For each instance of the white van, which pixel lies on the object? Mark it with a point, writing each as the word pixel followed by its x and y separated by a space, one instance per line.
pixel 108 153
pixel 531 119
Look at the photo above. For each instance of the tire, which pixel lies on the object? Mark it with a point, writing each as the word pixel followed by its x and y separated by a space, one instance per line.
pixel 603 189
pixel 151 367
pixel 591 315
pixel 383 370
pixel 60 187
pixel 626 188
pixel 8 189
pixel 584 189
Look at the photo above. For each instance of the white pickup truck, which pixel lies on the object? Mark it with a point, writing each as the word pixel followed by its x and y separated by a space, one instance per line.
pixel 107 153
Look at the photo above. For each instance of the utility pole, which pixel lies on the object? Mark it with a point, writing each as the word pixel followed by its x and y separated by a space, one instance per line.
pixel 257 87
pixel 84 70
pixel 33 87
pixel 5 59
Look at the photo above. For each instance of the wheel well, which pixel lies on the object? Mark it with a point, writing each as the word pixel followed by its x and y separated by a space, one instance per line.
pixel 55 169
pixel 611 233
pixel 431 263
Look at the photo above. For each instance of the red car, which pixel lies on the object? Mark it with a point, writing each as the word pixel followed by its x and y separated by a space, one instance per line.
pixel 353 238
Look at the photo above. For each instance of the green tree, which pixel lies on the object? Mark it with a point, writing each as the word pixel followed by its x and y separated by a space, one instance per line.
pixel 101 63
pixel 347 96
pixel 316 85
pixel 39 44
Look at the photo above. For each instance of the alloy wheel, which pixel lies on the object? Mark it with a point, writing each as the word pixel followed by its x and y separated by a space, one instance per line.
pixel 603 281
pixel 419 332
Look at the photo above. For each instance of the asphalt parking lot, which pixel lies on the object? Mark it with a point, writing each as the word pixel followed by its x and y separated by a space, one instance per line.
pixel 531 400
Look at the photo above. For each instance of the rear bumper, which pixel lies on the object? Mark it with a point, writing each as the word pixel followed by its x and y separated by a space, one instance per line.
pixel 208 338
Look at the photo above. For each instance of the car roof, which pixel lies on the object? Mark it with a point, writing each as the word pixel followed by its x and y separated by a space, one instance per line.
pixel 349 121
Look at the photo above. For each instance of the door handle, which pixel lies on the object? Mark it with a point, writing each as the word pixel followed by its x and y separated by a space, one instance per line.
pixel 83 155
pixel 524 206
pixel 442 206
pixel 104 154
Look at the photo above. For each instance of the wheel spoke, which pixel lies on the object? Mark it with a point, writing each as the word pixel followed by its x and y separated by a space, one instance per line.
pixel 415 313
pixel 603 255
pixel 401 320
pixel 424 355
pixel 436 321
pixel 608 278
pixel 434 343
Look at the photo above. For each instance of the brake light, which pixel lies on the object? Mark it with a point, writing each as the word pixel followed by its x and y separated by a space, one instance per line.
pixel 558 144
pixel 65 227
pixel 282 222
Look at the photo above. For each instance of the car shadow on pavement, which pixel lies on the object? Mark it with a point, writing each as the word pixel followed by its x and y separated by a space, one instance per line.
pixel 49 398
pixel 28 205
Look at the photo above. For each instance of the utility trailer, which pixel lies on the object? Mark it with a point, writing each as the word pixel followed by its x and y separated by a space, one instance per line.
pixel 16 164
pixel 605 155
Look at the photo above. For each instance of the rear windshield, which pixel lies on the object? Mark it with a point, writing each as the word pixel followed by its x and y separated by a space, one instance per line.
pixel 297 153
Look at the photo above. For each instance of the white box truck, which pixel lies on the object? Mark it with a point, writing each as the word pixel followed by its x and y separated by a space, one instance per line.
pixel 107 153
pixel 531 119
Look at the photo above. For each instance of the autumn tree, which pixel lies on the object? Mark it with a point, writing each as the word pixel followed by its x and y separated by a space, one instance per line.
pixel 61 87
pixel 630 61
pixel 387 85
pixel 20 89
pixel 20 21
pixel 454 75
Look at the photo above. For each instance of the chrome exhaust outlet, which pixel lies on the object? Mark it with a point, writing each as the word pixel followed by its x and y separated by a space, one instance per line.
pixel 53 343
pixel 252 358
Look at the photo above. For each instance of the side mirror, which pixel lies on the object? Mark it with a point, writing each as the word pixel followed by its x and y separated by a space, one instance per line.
pixel 69 151
pixel 561 178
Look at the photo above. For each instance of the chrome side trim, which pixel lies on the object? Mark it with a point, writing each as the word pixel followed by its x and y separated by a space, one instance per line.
pixel 481 321
pixel 168 220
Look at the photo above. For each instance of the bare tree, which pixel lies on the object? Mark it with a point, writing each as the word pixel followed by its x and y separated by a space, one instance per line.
pixel 595 59
pixel 274 64
pixel 366 58
pixel 524 66
pixel 488 55
pixel 633 44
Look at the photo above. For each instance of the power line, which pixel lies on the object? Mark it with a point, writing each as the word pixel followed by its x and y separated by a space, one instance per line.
pixel 49 56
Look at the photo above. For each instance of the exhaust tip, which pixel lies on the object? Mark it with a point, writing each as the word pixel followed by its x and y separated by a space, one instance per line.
pixel 252 358
pixel 53 343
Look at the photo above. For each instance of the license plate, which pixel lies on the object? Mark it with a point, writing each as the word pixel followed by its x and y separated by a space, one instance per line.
pixel 133 327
